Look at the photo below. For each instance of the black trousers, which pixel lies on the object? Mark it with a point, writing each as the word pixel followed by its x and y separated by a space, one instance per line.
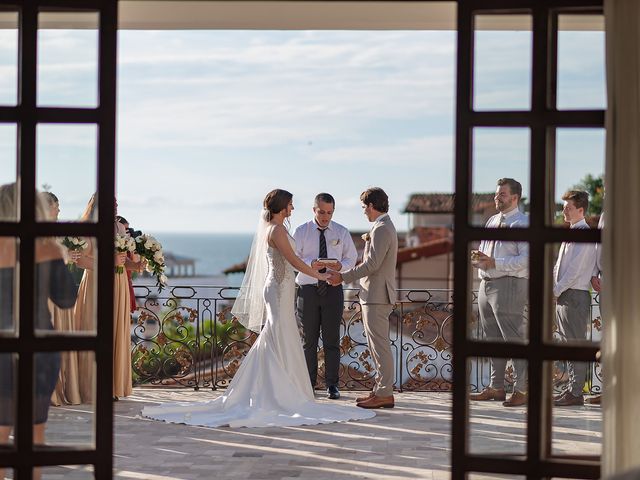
pixel 321 313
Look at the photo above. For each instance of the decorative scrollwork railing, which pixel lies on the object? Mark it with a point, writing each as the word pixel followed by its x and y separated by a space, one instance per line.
pixel 189 338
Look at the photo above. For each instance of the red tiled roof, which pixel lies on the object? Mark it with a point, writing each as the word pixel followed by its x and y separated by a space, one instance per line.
pixel 425 250
pixel 443 203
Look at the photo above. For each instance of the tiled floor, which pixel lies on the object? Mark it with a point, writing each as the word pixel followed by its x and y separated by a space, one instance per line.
pixel 411 441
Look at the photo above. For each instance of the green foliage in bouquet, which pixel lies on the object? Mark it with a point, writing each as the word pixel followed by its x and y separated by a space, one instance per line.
pixel 150 249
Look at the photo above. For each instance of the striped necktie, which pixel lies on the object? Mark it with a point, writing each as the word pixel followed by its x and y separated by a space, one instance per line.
pixel 501 224
pixel 322 253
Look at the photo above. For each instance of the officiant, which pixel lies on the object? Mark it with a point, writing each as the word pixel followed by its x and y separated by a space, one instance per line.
pixel 323 244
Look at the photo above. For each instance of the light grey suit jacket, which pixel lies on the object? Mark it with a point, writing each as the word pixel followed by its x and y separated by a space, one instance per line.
pixel 378 268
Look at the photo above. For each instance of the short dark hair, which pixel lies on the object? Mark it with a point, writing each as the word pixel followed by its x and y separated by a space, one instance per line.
pixel 325 198
pixel 121 219
pixel 276 201
pixel 579 198
pixel 50 198
pixel 514 186
pixel 376 197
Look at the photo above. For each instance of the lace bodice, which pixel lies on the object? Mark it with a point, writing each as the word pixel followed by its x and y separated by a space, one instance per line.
pixel 279 268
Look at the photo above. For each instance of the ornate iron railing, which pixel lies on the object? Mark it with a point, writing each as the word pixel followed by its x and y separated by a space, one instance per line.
pixel 188 338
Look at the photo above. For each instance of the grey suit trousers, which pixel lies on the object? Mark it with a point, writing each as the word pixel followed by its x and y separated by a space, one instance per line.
pixel 573 317
pixel 501 303
pixel 375 318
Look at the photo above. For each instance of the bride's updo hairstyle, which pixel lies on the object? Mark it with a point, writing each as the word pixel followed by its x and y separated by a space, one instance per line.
pixel 275 201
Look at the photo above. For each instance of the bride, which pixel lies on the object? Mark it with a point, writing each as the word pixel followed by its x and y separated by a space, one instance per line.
pixel 272 386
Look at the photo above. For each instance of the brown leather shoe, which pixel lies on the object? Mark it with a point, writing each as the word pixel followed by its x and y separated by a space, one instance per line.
pixel 558 397
pixel 378 402
pixel 597 400
pixel 569 400
pixel 489 394
pixel 364 397
pixel 516 399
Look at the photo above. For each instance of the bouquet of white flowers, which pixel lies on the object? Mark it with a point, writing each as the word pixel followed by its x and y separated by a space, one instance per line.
pixel 151 249
pixel 74 244
pixel 124 243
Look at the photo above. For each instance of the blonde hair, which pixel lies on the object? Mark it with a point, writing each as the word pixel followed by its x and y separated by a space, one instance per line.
pixel 9 203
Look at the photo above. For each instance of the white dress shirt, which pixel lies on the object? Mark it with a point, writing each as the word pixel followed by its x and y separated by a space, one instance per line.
pixel 575 265
pixel 597 270
pixel 512 258
pixel 339 246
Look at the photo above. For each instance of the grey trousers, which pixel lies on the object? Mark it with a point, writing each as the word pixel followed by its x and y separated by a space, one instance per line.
pixel 501 303
pixel 573 317
pixel 375 318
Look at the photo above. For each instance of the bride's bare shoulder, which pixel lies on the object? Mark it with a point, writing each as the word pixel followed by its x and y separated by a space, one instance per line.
pixel 276 231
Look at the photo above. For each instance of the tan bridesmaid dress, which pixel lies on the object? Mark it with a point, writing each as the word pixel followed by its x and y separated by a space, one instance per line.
pixel 85 317
pixel 67 391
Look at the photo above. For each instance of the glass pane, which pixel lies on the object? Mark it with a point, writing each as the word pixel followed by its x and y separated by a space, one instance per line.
pixel 575 310
pixel 8 286
pixel 581 64
pixel 8 169
pixel 66 282
pixel 67 166
pixel 68 59
pixel 8 58
pixel 577 417
pixel 500 286
pixel 502 63
pixel 497 412
pixel 8 395
pixel 580 164
pixel 65 385
pixel 499 153
pixel 68 472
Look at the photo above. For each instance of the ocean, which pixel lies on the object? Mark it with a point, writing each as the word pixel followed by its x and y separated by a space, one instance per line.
pixel 213 252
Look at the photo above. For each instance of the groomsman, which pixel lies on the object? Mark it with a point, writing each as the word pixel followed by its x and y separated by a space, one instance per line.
pixel 377 274
pixel 503 268
pixel 596 284
pixel 571 282
pixel 320 305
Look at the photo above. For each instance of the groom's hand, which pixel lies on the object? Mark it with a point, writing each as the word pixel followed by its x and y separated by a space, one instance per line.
pixel 335 278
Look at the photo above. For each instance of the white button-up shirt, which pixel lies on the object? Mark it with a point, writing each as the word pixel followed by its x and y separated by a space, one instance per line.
pixel 339 246
pixel 512 258
pixel 597 270
pixel 575 265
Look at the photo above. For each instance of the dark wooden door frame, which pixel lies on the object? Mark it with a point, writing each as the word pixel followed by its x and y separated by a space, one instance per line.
pixel 542 119
pixel 26 115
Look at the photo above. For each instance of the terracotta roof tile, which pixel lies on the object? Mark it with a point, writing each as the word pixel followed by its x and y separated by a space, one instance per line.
pixel 443 203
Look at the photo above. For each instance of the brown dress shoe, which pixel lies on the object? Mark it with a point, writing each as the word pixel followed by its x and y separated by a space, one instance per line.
pixel 569 400
pixel 365 397
pixel 378 402
pixel 597 400
pixel 516 399
pixel 489 394
pixel 558 397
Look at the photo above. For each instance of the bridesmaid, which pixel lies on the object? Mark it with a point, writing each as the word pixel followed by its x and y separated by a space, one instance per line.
pixel 85 314
pixel 131 256
pixel 67 390
pixel 52 282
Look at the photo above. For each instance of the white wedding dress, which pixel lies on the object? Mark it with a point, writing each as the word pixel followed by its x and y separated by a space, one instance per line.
pixel 272 386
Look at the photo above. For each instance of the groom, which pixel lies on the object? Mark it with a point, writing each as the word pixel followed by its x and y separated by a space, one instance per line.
pixel 377 293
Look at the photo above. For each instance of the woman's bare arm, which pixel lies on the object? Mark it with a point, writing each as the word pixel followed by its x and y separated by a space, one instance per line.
pixel 278 237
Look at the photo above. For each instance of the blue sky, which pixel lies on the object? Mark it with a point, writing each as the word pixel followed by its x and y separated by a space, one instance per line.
pixel 209 121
